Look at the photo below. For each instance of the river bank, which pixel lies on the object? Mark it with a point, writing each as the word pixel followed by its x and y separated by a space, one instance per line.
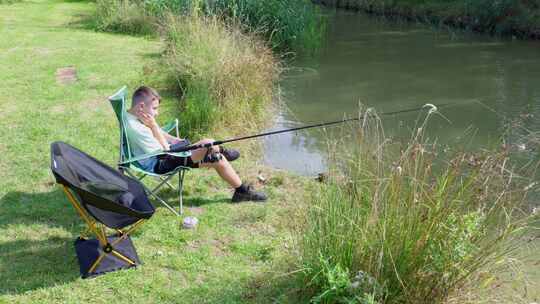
pixel 520 19
pixel 231 257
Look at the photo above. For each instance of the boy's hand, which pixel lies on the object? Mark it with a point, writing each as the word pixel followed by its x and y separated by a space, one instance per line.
pixel 147 119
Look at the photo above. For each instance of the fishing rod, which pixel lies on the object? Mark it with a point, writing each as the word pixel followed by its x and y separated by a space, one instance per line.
pixel 220 142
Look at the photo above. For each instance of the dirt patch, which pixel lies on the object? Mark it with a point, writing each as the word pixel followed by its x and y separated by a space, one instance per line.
pixel 219 247
pixel 66 76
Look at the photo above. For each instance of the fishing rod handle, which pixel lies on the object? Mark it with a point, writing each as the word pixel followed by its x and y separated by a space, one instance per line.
pixel 195 147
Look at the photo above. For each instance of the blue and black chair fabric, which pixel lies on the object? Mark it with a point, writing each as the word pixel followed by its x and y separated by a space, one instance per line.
pixel 106 200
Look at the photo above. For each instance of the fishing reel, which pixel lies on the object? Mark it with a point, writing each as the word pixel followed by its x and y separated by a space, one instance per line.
pixel 212 157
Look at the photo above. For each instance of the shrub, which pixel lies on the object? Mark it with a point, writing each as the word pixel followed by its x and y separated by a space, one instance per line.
pixel 124 16
pixel 9 1
pixel 287 24
pixel 421 228
pixel 225 75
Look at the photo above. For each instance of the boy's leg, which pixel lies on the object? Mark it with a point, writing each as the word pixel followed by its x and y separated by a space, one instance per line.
pixel 198 154
pixel 225 170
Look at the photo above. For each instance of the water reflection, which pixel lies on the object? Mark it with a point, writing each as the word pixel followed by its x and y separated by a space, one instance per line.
pixel 491 84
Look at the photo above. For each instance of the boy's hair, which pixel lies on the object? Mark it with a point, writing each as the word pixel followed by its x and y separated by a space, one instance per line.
pixel 144 94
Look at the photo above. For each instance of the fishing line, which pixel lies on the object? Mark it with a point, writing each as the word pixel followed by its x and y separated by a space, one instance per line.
pixel 220 142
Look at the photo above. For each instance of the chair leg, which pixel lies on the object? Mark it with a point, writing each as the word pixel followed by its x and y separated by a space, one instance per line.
pixel 181 189
pixel 164 204
pixel 167 182
pixel 161 201
pixel 164 180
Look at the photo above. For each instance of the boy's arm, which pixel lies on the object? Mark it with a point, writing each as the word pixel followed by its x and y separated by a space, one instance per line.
pixel 156 131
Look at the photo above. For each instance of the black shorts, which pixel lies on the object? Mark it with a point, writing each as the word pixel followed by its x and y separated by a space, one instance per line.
pixel 167 163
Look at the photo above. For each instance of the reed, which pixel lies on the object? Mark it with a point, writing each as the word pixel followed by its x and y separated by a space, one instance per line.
pixel 406 223
pixel 226 76
pixel 124 16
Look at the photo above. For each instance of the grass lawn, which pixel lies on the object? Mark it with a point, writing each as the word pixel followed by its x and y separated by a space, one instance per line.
pixel 234 256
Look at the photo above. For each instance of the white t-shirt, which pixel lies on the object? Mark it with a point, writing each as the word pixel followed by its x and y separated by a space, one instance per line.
pixel 141 141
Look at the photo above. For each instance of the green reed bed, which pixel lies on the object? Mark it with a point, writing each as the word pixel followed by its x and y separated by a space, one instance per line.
pixel 287 25
pixel 225 75
pixel 218 54
pixel 124 16
pixel 400 223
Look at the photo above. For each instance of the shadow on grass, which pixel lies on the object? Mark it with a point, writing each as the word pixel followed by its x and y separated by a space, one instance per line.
pixel 28 264
pixel 82 21
pixel 194 200
pixel 42 208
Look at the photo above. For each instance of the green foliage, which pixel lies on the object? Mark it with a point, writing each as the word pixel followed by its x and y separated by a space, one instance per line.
pixel 421 226
pixel 289 24
pixel 337 286
pixel 286 24
pixel 9 1
pixel 198 111
pixel 124 16
pixel 224 74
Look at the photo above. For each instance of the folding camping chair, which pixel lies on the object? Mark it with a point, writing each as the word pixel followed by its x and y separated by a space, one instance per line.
pixel 104 198
pixel 129 164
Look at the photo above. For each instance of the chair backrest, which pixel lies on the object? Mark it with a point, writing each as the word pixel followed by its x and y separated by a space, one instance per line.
pixel 107 195
pixel 118 102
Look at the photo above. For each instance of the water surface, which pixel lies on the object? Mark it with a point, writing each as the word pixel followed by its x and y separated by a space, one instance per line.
pixel 486 83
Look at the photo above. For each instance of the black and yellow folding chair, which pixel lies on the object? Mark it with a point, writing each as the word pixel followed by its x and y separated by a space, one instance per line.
pixel 106 200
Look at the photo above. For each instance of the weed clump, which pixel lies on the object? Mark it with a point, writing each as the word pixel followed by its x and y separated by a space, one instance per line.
pixel 226 76
pixel 402 224
pixel 124 16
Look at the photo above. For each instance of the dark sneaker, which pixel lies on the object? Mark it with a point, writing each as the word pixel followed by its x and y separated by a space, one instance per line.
pixel 230 154
pixel 248 195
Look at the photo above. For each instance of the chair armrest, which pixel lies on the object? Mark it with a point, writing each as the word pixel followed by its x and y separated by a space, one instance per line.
pixel 140 157
pixel 148 155
pixel 171 126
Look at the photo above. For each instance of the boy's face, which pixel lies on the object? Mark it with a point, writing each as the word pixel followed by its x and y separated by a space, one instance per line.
pixel 151 107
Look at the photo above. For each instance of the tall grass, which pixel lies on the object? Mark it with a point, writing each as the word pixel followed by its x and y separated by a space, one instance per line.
pixel 124 16
pixel 405 224
pixel 9 1
pixel 287 25
pixel 226 76
pixel 293 25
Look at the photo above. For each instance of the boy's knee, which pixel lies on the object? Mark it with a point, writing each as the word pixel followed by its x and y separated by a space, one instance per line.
pixel 207 140
pixel 220 163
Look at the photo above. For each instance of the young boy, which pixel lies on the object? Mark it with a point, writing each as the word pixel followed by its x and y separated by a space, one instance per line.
pixel 145 136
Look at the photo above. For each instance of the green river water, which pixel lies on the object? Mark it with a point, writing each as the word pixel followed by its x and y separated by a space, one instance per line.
pixel 487 83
